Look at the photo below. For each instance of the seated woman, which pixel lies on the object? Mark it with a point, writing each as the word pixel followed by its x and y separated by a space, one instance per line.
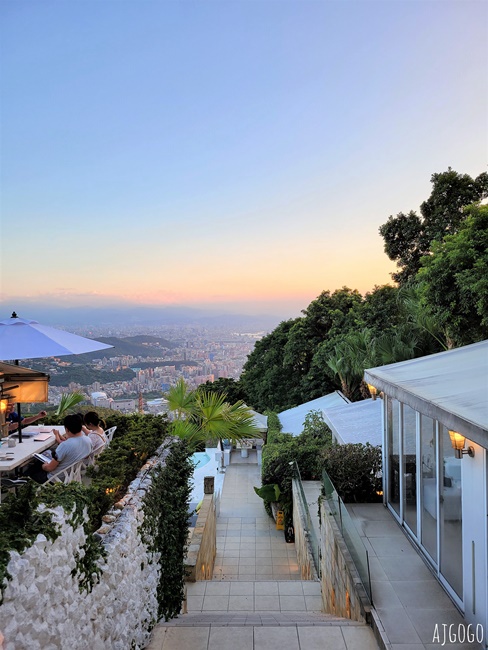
pixel 93 428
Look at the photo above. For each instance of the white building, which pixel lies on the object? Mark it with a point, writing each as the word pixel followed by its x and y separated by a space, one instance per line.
pixel 435 411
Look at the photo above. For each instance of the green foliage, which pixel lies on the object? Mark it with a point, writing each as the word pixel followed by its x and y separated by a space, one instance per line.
pixel 203 415
pixel 283 449
pixel 454 280
pixel 316 429
pixel 234 390
pixel 21 521
pixel 165 526
pixel 268 492
pixel 355 471
pixel 290 366
pixel 68 402
pixel 118 465
pixel 268 381
pixel 85 375
pixel 409 238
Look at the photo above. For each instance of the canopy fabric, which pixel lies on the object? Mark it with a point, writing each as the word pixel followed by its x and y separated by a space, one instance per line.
pixel 23 385
pixel 292 420
pixel 260 421
pixel 27 339
pixel 451 387
pixel 356 422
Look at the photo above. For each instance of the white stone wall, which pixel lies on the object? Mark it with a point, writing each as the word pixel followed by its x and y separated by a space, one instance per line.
pixel 43 608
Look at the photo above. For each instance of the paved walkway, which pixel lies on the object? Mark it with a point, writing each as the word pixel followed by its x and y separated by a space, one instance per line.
pixel 256 600
pixel 408 599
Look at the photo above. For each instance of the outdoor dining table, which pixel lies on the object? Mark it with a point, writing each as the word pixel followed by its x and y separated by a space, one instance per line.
pixel 22 453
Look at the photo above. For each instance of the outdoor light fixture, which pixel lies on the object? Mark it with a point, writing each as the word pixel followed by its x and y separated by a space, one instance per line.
pixel 3 409
pixel 457 442
pixel 372 391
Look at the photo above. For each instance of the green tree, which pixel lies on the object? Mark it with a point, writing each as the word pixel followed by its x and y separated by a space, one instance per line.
pixel 268 381
pixel 202 415
pixel 234 390
pixel 408 237
pixel 454 280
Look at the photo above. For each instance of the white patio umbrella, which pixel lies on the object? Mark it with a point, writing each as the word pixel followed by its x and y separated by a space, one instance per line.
pixel 21 338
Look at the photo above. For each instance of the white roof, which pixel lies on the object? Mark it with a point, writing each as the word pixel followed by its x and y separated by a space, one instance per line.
pixel 292 420
pixel 451 387
pixel 356 422
pixel 260 421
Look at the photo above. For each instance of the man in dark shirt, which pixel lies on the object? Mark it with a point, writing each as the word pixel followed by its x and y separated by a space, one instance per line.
pixel 12 417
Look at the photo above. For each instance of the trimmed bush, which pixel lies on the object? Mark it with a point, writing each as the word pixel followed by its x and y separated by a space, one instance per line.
pixel 355 471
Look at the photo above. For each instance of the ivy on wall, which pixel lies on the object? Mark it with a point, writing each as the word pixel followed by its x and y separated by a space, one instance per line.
pixel 21 521
pixel 165 526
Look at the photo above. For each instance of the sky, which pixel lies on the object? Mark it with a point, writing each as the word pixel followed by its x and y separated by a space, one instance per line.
pixel 234 156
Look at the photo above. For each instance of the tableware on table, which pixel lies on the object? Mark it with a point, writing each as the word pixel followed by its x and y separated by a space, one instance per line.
pixel 12 442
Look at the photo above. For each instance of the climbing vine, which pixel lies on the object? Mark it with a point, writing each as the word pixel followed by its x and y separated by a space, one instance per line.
pixel 165 526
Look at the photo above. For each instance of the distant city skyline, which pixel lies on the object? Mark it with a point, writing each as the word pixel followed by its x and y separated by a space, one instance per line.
pixel 228 157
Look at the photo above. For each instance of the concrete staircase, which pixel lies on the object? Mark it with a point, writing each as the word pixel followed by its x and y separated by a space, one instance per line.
pixel 258 615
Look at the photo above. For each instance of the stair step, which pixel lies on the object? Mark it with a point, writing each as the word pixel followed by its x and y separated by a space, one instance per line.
pixel 273 619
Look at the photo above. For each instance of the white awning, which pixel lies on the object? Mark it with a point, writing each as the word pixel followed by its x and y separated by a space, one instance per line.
pixel 451 387
pixel 292 419
pixel 356 422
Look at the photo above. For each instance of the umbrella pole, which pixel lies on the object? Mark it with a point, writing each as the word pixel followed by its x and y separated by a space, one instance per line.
pixel 16 362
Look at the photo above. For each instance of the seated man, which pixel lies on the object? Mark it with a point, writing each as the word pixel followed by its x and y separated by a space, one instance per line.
pixel 12 417
pixel 76 447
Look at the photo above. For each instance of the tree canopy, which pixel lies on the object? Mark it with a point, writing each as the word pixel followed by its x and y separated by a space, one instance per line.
pixel 408 238
pixel 454 280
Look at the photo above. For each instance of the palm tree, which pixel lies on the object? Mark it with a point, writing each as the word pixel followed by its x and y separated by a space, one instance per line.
pixel 421 317
pixel 200 415
pixel 350 357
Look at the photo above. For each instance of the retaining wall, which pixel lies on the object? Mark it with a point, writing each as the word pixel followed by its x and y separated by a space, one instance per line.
pixel 203 542
pixel 302 546
pixel 343 593
pixel 43 608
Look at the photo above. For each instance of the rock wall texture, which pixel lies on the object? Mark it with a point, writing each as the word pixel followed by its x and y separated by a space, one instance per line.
pixel 304 553
pixel 342 591
pixel 43 607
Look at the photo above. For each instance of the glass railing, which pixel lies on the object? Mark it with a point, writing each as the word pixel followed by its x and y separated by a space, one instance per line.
pixel 310 529
pixel 350 534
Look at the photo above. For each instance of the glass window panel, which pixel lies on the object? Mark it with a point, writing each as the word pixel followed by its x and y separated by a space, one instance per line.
pixel 451 546
pixel 410 468
pixel 392 423
pixel 428 487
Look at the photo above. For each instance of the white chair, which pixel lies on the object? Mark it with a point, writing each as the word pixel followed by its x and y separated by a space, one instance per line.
pixel 68 474
pixel 90 460
pixel 110 434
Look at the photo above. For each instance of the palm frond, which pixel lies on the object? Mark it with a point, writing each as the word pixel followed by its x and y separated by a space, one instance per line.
pixel 181 399
pixel 69 401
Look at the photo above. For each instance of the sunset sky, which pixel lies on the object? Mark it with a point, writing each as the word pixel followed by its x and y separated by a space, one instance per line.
pixel 234 155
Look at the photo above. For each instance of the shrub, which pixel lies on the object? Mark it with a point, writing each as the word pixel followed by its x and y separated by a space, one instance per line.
pixel 276 466
pixel 355 471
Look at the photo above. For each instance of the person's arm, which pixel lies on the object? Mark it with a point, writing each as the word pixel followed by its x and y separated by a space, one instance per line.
pixel 33 418
pixel 50 467
pixel 13 426
pixel 59 437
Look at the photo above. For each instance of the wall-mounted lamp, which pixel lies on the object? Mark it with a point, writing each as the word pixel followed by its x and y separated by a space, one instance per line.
pixel 372 390
pixel 458 442
pixel 3 424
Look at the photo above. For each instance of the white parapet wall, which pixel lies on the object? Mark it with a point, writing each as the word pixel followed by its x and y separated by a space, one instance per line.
pixel 43 608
